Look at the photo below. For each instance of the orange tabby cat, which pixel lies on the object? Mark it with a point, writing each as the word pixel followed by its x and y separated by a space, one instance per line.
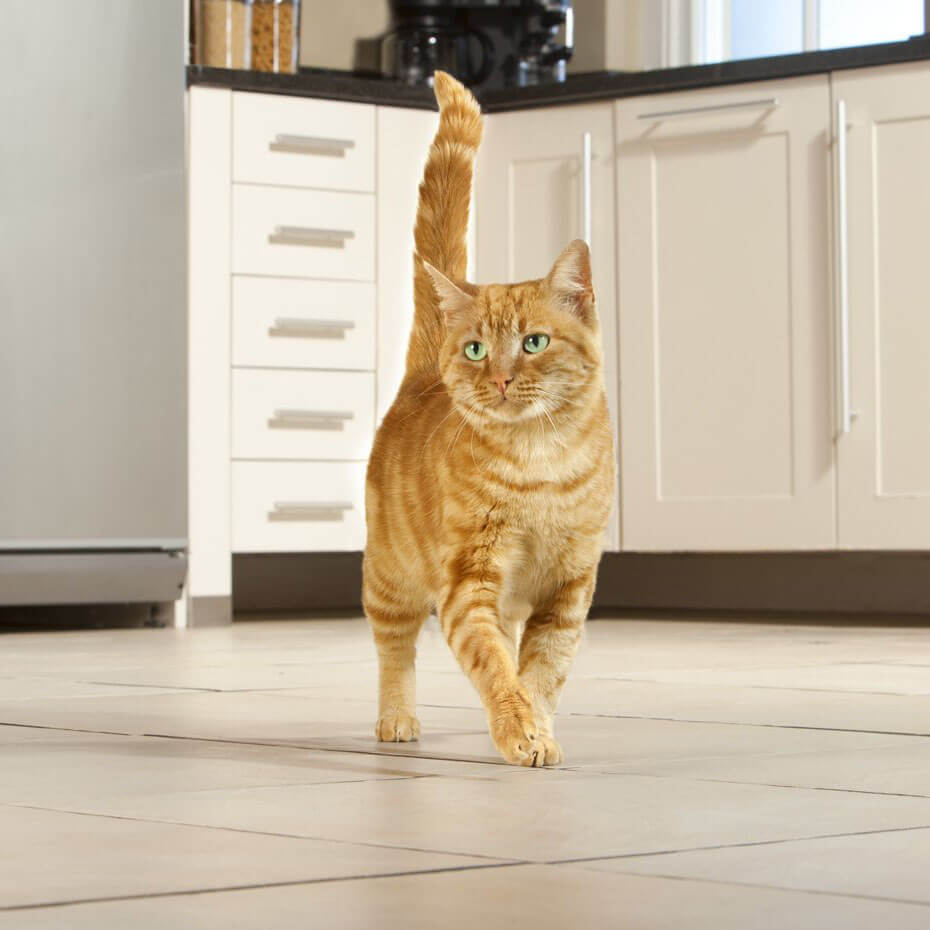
pixel 491 477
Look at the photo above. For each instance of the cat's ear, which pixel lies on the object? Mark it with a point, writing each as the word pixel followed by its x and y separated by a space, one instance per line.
pixel 569 282
pixel 454 299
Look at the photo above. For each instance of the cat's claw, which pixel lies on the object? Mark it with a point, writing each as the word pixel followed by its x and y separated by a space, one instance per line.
pixel 397 728
pixel 513 730
pixel 546 751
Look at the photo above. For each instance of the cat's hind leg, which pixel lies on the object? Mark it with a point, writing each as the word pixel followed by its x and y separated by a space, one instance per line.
pixel 547 648
pixel 395 625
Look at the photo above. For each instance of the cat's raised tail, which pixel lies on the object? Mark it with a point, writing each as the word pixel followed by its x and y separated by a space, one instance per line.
pixel 442 215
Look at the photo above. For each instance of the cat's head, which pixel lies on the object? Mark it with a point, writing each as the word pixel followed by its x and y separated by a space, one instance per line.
pixel 518 352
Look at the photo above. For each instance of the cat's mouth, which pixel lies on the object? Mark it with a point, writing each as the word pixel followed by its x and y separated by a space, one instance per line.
pixel 507 409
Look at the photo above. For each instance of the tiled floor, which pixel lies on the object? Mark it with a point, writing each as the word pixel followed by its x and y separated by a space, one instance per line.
pixel 718 775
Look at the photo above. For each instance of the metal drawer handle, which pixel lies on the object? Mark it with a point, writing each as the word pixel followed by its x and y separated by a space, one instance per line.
pixel 334 420
pixel 300 328
pixel 311 145
pixel 309 512
pixel 769 102
pixel 304 235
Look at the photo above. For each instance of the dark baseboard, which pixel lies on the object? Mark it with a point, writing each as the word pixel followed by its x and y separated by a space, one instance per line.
pixel 892 583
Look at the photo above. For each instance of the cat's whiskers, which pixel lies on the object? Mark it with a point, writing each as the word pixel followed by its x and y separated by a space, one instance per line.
pixel 558 436
pixel 429 387
pixel 458 433
pixel 443 420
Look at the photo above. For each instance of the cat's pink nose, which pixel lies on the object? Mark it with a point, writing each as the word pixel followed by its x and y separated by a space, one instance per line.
pixel 502 381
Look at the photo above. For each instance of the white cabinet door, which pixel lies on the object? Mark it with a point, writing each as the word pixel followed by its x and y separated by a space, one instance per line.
pixel 530 206
pixel 725 351
pixel 884 460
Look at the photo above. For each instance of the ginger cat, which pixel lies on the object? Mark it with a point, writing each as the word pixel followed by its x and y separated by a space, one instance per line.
pixel 491 477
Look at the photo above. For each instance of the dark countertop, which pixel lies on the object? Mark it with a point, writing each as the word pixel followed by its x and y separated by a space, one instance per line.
pixel 580 88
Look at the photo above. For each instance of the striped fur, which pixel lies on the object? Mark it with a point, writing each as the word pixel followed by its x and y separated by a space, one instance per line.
pixel 488 509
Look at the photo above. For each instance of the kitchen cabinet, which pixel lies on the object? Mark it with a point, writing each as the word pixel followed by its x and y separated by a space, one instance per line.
pixel 884 445
pixel 758 255
pixel 282 331
pixel 724 269
pixel 545 177
pixel 301 297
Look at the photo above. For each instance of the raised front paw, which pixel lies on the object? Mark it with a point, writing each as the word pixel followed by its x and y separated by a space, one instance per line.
pixel 513 728
pixel 397 728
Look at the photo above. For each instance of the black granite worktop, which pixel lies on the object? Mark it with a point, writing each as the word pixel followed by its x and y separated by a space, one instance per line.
pixel 603 85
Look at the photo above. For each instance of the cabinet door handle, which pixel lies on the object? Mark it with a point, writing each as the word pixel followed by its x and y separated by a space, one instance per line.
pixel 304 235
pixel 309 511
pixel 842 273
pixel 311 145
pixel 300 328
pixel 586 188
pixel 334 420
pixel 768 102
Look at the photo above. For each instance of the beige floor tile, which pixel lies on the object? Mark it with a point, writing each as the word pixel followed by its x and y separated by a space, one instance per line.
pixel 285 717
pixel 541 897
pixel 28 689
pixel 675 734
pixel 50 856
pixel 836 710
pixel 209 673
pixel 902 768
pixel 101 765
pixel 885 865
pixel 313 718
pixel 532 814
pixel 599 742
pixel 864 677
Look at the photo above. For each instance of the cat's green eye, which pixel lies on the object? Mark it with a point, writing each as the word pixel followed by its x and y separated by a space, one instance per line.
pixel 535 342
pixel 475 351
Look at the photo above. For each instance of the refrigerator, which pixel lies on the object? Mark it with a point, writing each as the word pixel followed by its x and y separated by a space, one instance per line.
pixel 92 301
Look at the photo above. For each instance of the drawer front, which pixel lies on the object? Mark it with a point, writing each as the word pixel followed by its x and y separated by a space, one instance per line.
pixel 298 506
pixel 305 143
pixel 289 323
pixel 300 233
pixel 302 414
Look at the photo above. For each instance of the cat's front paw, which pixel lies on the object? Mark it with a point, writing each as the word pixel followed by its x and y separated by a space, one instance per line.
pixel 397 728
pixel 547 751
pixel 513 729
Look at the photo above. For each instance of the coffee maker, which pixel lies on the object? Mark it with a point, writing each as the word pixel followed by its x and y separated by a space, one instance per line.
pixel 484 43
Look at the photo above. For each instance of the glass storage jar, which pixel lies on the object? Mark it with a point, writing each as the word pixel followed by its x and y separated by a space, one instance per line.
pixel 224 33
pixel 275 32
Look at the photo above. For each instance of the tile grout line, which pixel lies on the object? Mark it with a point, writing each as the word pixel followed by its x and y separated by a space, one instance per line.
pixel 765 784
pixel 309 747
pixel 290 836
pixel 740 723
pixel 233 888
pixel 815 891
pixel 747 845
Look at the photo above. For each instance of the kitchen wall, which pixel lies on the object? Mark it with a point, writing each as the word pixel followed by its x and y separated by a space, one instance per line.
pixel 328 30
pixel 618 35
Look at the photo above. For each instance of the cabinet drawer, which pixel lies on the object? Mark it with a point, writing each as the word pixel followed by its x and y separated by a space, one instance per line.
pixel 289 323
pixel 305 143
pixel 310 234
pixel 302 414
pixel 298 506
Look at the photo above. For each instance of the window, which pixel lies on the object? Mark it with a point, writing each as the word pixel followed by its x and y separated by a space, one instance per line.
pixel 730 29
